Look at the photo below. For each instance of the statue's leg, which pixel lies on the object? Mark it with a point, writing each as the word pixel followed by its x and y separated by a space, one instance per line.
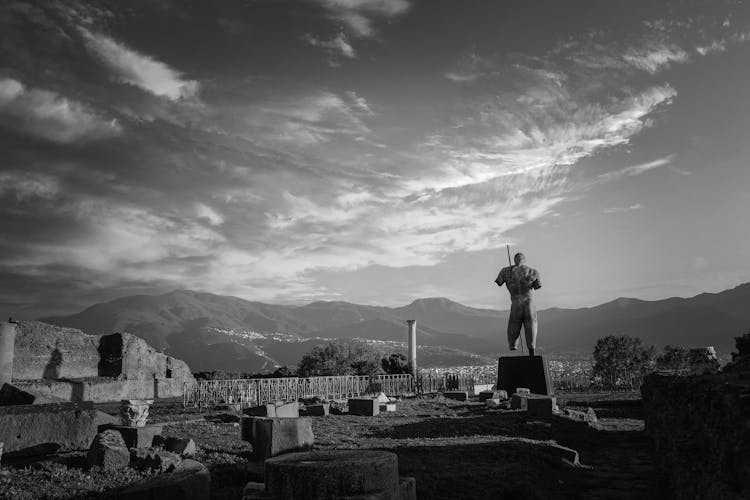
pixel 515 321
pixel 530 326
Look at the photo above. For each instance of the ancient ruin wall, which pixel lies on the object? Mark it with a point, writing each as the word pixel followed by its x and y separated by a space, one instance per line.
pixel 51 352
pixel 700 427
pixel 45 351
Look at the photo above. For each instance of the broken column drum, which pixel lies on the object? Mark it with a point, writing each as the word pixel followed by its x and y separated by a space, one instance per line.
pixel 7 345
pixel 412 346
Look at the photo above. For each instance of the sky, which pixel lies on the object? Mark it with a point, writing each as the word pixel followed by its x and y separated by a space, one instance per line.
pixel 372 151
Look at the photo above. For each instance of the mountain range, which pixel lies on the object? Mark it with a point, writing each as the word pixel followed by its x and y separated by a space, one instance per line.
pixel 222 332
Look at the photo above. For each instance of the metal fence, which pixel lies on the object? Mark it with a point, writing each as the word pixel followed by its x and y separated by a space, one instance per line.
pixel 250 392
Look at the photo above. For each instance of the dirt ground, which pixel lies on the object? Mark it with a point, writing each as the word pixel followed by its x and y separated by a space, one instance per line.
pixel 455 450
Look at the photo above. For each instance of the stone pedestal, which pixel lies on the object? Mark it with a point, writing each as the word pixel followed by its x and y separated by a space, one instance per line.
pixel 368 407
pixel 524 371
pixel 319 410
pixel 344 474
pixel 273 436
pixel 7 346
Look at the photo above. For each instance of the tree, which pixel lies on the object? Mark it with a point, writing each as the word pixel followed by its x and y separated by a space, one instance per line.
pixel 673 358
pixel 395 364
pixel 620 356
pixel 338 358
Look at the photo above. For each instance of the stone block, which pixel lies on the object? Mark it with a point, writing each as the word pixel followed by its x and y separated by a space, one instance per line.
pixel 519 402
pixel 382 398
pixel 388 407
pixel 318 410
pixel 540 406
pixel 484 395
pixel 189 481
pixel 273 436
pixel 493 403
pixel 278 409
pixel 523 390
pixel 368 407
pixel 457 395
pixel 181 446
pixel 524 371
pixel 108 451
pixel 135 437
pixel 13 395
pixel 568 455
pixel 479 388
pixel 35 429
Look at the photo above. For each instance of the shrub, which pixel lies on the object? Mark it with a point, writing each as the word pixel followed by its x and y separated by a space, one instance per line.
pixel 395 364
pixel 618 356
pixel 337 358
pixel 673 358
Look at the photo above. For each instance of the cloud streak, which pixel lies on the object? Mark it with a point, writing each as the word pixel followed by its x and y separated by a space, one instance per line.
pixel 359 15
pixel 139 70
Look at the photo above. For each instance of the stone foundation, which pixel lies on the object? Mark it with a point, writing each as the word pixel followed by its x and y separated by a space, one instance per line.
pixel 700 428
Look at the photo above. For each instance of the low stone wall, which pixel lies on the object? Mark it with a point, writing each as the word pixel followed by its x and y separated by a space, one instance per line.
pixel 104 390
pixel 700 428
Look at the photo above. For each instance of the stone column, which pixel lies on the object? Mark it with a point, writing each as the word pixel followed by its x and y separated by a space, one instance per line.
pixel 7 344
pixel 412 346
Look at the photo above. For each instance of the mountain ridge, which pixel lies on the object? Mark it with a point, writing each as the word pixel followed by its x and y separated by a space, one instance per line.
pixel 196 324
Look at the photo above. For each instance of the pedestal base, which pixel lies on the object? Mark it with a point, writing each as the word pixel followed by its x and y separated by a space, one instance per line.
pixel 524 371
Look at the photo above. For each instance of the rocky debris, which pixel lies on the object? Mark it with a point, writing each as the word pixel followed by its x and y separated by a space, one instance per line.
pixel 36 429
pixel 135 411
pixel 588 416
pixel 182 446
pixel 273 436
pixel 321 475
pixel 700 429
pixel 190 480
pixel 496 394
pixel 108 451
pixel 382 398
pixel 154 459
pixel 225 418
pixel 367 407
pixel 1 451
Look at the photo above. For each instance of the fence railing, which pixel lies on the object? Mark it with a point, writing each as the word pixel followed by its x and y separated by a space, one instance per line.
pixel 251 392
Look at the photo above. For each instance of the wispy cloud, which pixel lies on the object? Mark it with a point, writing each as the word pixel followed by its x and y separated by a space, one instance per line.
pixel 51 116
pixel 359 15
pixel 620 210
pixel 635 169
pixel 142 71
pixel 338 46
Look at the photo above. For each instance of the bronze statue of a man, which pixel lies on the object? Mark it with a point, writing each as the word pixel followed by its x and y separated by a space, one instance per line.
pixel 521 280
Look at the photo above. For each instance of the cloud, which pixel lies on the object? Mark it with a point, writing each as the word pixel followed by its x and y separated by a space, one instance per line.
pixel 619 210
pixel 338 46
pixel 635 169
pixel 358 15
pixel 655 57
pixel 51 116
pixel 140 70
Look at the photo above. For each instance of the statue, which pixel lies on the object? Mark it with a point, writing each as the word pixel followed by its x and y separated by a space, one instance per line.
pixel 520 280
